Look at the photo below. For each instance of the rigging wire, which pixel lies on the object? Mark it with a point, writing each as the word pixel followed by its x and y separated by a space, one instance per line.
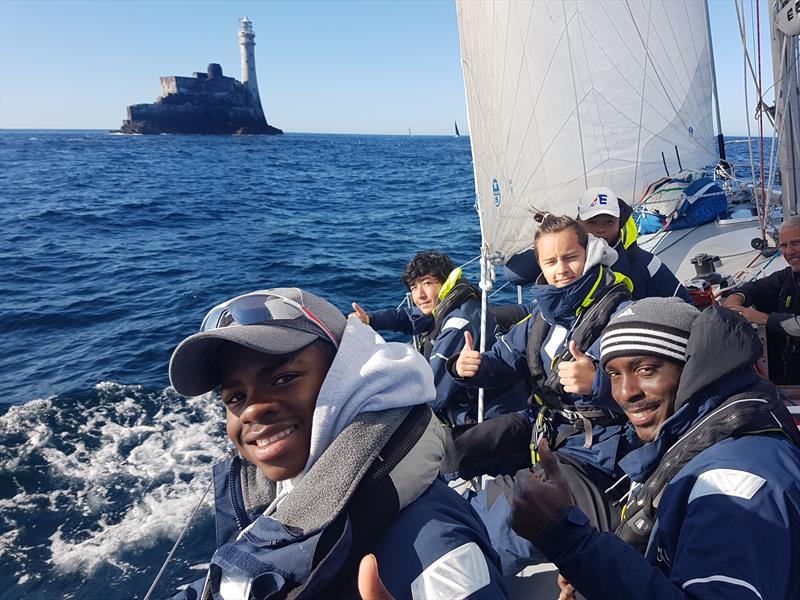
pixel 760 122
pixel 641 113
pixel 575 92
pixel 740 18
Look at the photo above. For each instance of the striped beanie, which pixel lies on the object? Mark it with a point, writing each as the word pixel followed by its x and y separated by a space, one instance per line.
pixel 650 327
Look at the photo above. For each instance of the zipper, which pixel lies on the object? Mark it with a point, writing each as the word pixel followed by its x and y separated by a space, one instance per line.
pixel 234 484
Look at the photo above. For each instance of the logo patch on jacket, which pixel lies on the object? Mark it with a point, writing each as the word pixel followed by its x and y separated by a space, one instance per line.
pixel 455 323
pixel 456 575
pixel 728 482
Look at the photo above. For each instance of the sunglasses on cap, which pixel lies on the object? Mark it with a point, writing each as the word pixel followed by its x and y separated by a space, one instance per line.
pixel 261 309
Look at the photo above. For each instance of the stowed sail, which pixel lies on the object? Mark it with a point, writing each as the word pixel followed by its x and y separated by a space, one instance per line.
pixel 567 95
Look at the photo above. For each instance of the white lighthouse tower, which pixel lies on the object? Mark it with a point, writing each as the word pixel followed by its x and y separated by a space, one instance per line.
pixel 247 41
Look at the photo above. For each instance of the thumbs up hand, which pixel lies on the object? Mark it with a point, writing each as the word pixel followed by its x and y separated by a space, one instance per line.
pixel 577 376
pixel 539 495
pixel 469 360
pixel 370 586
pixel 359 313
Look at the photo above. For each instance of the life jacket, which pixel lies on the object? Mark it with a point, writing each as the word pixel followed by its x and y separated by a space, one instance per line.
pixel 455 291
pixel 788 348
pixel 628 233
pixel 547 391
pixel 755 412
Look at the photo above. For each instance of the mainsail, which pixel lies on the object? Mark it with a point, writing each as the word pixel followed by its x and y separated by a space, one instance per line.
pixel 566 95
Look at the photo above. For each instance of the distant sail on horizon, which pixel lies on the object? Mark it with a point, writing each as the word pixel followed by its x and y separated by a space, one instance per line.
pixel 456 126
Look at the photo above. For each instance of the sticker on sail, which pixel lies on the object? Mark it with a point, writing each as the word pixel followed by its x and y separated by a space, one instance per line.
pixel 496 192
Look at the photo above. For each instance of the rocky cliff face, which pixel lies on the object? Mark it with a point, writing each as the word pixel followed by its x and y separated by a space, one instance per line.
pixel 208 103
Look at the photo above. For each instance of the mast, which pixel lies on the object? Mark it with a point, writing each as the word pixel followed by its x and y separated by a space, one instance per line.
pixel 787 109
pixel 720 137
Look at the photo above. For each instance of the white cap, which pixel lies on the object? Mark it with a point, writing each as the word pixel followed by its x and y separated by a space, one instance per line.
pixel 597 201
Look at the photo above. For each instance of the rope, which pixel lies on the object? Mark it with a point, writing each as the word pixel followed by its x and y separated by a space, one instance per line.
pixel 178 541
pixel 675 242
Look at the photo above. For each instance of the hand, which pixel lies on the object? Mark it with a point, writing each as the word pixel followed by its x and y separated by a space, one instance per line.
pixel 567 591
pixel 469 360
pixel 370 586
pixel 735 299
pixel 577 376
pixel 537 502
pixel 751 314
pixel 359 313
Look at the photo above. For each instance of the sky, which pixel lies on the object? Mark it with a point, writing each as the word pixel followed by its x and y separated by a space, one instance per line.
pixel 370 67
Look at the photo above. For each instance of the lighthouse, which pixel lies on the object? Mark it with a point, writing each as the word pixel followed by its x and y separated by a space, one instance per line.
pixel 247 41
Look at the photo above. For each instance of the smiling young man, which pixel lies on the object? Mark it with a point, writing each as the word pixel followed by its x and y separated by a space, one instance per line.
pixel 714 508
pixel 447 305
pixel 336 456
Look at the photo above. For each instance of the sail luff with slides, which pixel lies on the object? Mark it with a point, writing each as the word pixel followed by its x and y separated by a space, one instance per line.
pixel 566 95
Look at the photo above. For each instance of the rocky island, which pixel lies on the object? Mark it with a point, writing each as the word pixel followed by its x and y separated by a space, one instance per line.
pixel 209 102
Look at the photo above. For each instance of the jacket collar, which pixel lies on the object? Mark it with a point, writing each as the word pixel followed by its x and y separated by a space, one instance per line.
pixel 563 305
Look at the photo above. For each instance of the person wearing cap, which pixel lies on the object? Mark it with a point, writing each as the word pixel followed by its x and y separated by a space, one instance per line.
pixel 606 216
pixel 555 352
pixel 714 504
pixel 336 455
pixel 774 301
pixel 446 305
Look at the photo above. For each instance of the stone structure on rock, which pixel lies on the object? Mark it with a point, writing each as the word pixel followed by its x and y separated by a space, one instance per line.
pixel 206 102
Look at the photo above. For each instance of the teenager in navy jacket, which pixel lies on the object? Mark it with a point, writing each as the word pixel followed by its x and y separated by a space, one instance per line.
pixel 446 305
pixel 336 456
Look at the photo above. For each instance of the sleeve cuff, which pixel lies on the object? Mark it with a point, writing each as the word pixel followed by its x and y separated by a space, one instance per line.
pixel 775 322
pixel 450 367
pixel 562 535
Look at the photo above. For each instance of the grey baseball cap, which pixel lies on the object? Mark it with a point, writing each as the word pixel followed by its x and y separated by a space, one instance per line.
pixel 273 321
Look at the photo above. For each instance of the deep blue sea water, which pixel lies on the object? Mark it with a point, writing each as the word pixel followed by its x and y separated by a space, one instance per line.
pixel 112 249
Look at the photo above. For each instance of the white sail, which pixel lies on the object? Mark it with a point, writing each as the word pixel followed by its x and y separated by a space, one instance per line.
pixel 566 95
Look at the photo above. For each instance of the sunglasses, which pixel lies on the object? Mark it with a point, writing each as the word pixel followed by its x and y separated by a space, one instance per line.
pixel 260 309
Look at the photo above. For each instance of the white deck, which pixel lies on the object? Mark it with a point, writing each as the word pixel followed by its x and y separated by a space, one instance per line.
pixel 729 241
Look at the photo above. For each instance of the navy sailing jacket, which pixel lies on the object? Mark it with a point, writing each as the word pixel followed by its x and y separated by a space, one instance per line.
pixel 728 523
pixel 650 277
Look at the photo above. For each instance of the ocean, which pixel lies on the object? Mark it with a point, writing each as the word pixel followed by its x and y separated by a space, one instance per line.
pixel 112 250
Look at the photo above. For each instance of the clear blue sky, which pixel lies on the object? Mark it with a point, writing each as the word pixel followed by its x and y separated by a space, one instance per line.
pixel 323 66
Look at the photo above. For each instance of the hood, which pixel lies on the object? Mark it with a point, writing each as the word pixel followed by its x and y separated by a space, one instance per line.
pixel 368 374
pixel 598 252
pixel 560 305
pixel 717 332
pixel 706 381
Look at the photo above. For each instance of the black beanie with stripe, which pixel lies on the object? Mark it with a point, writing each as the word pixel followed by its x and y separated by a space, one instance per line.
pixel 649 327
